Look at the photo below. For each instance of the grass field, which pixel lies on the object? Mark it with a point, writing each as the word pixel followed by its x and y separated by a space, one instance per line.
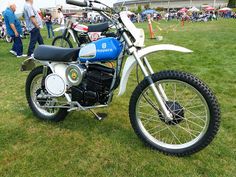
pixel 82 146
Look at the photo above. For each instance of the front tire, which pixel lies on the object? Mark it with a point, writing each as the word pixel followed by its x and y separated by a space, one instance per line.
pixel 34 78
pixel 61 41
pixel 195 131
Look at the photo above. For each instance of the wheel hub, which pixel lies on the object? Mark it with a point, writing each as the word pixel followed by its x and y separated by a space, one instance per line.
pixel 177 112
pixel 41 101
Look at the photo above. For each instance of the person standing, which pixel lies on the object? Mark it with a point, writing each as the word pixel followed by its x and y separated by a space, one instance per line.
pixel 33 25
pixel 61 19
pixel 48 21
pixel 138 17
pixel 14 29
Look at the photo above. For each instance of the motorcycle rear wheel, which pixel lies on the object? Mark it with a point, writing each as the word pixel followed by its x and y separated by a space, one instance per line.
pixel 195 110
pixel 33 88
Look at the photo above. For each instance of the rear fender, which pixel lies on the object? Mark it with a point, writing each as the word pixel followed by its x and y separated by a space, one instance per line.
pixel 28 65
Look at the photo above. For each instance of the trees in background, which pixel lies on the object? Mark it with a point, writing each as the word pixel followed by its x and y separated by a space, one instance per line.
pixel 147 6
pixel 232 3
pixel 139 10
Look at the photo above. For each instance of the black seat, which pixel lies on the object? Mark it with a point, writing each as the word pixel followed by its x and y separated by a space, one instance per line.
pixel 59 54
pixel 98 28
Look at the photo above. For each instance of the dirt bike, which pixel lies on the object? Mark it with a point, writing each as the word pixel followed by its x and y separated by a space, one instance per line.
pixel 8 38
pixel 170 111
pixel 25 32
pixel 4 35
pixel 80 34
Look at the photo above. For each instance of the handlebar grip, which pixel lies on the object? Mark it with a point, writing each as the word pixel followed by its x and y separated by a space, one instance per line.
pixel 77 3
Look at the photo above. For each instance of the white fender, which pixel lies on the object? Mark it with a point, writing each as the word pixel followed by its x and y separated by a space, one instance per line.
pixel 131 62
pixel 59 29
pixel 72 34
pixel 69 30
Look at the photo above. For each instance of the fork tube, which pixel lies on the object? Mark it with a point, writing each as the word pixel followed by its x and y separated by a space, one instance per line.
pixel 155 91
pixel 159 86
pixel 153 87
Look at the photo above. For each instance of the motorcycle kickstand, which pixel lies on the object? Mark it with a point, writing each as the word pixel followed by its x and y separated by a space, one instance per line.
pixel 96 115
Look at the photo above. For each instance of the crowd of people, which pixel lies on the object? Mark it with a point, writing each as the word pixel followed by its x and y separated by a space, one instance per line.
pixel 199 15
pixel 14 28
pixel 34 23
pixel 192 14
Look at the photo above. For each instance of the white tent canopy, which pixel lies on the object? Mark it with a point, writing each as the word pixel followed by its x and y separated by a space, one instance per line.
pixel 193 9
pixel 225 9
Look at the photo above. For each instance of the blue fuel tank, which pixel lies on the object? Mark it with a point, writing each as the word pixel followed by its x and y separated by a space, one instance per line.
pixel 106 49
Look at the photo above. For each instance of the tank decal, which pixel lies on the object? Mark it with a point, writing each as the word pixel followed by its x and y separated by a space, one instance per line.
pixel 88 51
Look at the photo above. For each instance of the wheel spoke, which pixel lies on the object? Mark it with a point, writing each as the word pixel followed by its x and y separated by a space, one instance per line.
pixel 191 122
pixel 153 128
pixel 173 134
pixel 149 115
pixel 159 131
pixel 186 130
pixel 196 116
pixel 149 120
pixel 196 106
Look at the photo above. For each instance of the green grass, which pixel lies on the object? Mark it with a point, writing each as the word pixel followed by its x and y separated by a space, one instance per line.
pixel 82 146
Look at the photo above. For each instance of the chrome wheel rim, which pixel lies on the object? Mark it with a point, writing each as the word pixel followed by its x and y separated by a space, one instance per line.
pixel 188 131
pixel 35 86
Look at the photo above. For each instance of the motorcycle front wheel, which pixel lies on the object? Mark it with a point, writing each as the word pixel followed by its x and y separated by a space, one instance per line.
pixel 194 108
pixel 61 41
pixel 42 108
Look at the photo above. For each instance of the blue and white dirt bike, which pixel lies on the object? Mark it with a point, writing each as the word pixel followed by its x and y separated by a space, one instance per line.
pixel 171 111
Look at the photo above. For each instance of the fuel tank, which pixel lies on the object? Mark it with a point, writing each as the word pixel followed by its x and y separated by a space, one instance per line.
pixel 106 49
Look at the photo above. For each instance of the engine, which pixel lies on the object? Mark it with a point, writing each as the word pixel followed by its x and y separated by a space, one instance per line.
pixel 88 85
pixel 95 86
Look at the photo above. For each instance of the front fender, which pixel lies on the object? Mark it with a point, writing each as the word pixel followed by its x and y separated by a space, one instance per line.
pixel 131 62
pixel 72 35
pixel 59 29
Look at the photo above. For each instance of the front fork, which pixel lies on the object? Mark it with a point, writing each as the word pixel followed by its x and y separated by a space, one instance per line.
pixel 64 34
pixel 157 91
pixel 45 70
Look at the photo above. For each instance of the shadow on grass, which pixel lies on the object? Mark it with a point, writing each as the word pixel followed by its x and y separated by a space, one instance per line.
pixel 86 125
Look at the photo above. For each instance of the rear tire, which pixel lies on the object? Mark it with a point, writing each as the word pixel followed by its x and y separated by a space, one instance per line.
pixel 59 116
pixel 207 95
pixel 61 41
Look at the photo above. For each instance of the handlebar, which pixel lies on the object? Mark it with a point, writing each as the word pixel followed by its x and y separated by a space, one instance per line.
pixel 88 4
pixel 77 3
pixel 94 9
